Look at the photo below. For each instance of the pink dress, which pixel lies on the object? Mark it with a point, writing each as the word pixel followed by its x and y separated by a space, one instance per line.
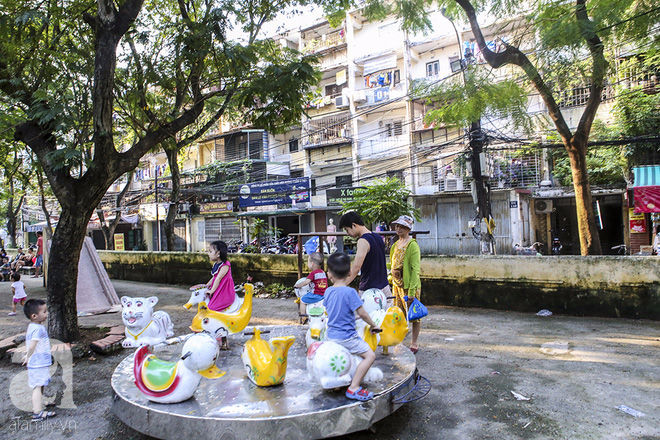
pixel 224 295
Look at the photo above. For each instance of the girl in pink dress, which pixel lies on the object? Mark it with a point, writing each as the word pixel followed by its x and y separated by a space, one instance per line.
pixel 221 293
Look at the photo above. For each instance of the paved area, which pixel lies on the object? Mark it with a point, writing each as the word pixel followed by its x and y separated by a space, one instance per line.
pixel 574 372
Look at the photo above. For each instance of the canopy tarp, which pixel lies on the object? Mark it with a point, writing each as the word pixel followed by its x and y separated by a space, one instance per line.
pixel 646 189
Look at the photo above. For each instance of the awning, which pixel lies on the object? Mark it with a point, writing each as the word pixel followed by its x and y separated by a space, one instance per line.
pixel 646 189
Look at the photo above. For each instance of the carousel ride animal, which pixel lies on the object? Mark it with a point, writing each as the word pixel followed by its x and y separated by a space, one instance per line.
pixel 391 319
pixel 333 366
pixel 317 325
pixel 265 362
pixel 143 325
pixel 164 381
pixel 222 324
pixel 198 294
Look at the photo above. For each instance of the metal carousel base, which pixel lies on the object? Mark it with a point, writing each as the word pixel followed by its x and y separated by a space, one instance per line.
pixel 232 407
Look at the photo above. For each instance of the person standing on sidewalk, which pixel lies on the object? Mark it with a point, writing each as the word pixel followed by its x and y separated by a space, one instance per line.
pixel 40 255
pixel 405 259
pixel 370 256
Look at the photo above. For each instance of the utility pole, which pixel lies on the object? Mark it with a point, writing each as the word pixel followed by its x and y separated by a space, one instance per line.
pixel 480 189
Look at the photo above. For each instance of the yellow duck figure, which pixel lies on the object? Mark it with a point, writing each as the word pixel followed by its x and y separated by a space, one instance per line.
pixel 220 324
pixel 265 363
pixel 394 325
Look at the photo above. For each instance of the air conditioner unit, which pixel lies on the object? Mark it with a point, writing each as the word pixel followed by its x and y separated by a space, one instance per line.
pixel 360 96
pixel 543 206
pixel 341 101
pixel 453 184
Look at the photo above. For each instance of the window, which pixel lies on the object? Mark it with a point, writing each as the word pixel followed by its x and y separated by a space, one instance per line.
pixel 297 173
pixel 455 64
pixel 433 68
pixel 397 174
pixel 293 145
pixel 333 90
pixel 344 181
pixel 394 128
pixel 312 183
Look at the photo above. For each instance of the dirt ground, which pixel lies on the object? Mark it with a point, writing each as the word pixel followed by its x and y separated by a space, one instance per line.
pixel 574 371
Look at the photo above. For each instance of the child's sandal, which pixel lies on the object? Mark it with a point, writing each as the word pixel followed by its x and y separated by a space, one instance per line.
pixel 43 415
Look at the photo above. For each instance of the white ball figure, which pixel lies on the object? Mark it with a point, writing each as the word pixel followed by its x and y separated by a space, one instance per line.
pixel 172 382
pixel 332 366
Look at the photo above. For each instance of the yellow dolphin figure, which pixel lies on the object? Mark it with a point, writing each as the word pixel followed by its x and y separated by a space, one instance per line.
pixel 265 363
pixel 222 324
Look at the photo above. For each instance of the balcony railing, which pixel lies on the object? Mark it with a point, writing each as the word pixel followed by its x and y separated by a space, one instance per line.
pixel 382 147
pixel 323 42
pixel 326 131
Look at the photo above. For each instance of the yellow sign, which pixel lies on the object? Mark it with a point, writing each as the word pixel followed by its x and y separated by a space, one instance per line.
pixel 205 208
pixel 119 242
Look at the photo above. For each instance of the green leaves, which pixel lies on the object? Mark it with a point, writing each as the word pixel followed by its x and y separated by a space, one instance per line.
pixel 464 100
pixel 383 200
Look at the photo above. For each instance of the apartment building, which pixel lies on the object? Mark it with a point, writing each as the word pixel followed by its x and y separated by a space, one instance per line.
pixel 364 123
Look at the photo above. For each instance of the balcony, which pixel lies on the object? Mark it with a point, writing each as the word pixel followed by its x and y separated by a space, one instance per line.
pixel 383 147
pixel 327 131
pixel 324 42
pixel 378 95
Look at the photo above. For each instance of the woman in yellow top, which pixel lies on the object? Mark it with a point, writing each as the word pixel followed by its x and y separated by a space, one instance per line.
pixel 405 259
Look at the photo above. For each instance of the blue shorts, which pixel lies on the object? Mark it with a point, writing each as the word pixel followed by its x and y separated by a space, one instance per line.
pixel 40 261
pixel 354 344
pixel 311 298
pixel 38 377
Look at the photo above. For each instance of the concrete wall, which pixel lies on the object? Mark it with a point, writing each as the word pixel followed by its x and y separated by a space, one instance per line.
pixel 592 286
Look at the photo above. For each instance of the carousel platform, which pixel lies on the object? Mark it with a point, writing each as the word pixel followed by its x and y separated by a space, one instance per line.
pixel 232 407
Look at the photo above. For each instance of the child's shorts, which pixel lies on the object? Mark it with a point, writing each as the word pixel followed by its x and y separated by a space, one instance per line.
pixel 354 345
pixel 18 300
pixel 38 377
pixel 311 298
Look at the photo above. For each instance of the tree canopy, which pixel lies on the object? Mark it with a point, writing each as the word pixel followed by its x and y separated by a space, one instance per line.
pixel 384 200
pixel 90 87
pixel 578 39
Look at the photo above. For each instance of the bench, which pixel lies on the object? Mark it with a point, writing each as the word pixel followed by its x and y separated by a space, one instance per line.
pixel 28 270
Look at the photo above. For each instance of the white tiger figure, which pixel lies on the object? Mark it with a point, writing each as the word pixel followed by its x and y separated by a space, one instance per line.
pixel 143 325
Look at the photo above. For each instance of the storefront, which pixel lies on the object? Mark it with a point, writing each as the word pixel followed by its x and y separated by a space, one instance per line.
pixel 644 213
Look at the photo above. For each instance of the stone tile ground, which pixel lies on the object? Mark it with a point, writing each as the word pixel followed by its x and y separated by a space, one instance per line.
pixel 575 372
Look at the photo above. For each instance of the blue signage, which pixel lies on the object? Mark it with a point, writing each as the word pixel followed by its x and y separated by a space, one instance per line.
pixel 275 192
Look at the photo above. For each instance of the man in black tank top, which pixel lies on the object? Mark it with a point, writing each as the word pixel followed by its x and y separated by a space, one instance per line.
pixel 370 255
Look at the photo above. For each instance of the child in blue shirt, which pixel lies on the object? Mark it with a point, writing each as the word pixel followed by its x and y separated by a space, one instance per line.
pixel 341 303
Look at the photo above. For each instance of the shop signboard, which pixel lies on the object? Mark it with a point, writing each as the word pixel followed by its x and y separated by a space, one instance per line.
pixel 119 242
pixel 339 195
pixel 275 192
pixel 637 222
pixel 216 207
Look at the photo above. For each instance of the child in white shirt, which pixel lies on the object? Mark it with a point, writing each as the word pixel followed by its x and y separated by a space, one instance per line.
pixel 38 357
pixel 18 291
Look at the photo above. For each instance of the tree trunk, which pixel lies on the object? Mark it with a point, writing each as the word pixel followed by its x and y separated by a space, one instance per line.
pixel 586 219
pixel 172 157
pixel 107 234
pixel 63 277
pixel 12 214
pixel 42 195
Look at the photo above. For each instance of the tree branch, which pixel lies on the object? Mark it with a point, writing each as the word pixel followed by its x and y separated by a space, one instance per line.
pixel 513 55
pixel 599 70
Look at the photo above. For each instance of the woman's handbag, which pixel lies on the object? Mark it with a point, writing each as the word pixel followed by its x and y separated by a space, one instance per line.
pixel 417 310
